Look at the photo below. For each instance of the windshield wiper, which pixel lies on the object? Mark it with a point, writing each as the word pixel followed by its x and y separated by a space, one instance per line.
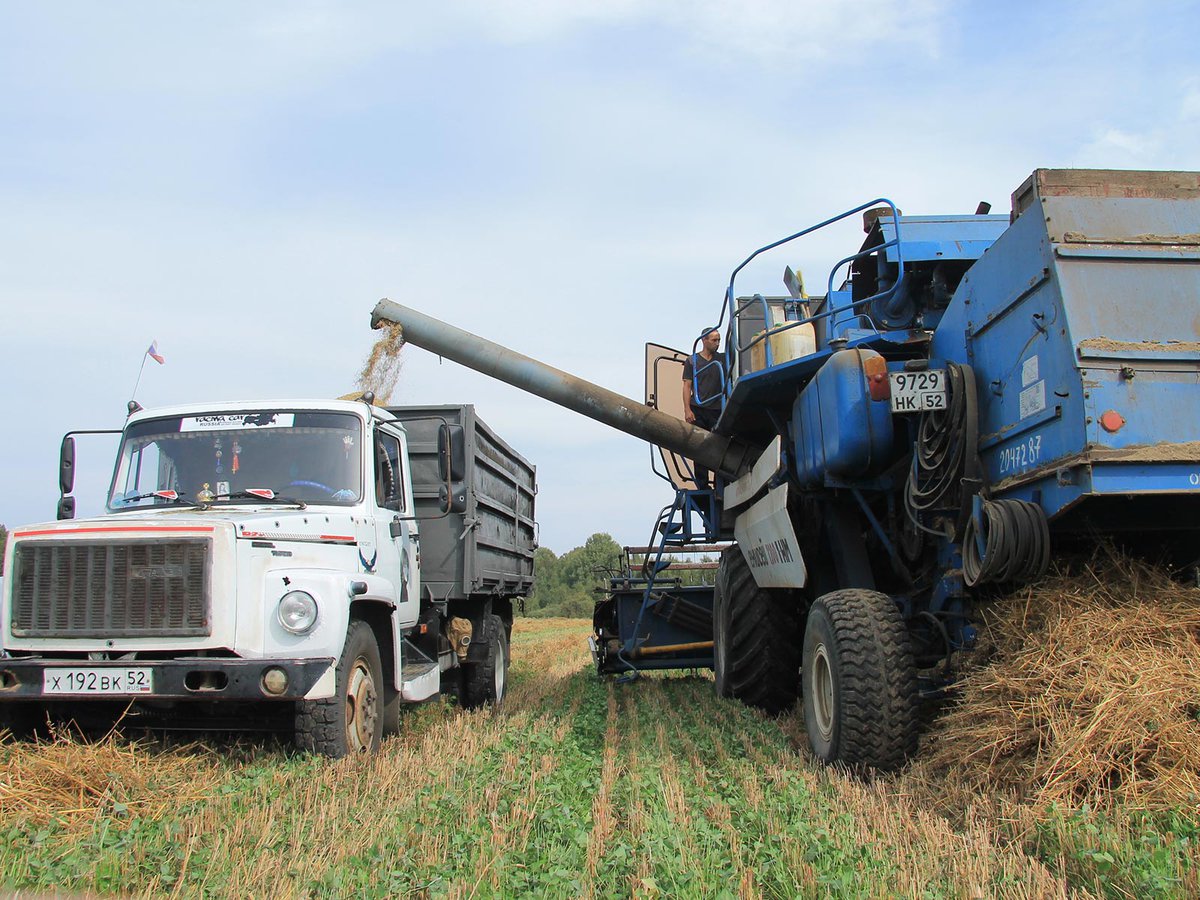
pixel 173 496
pixel 264 494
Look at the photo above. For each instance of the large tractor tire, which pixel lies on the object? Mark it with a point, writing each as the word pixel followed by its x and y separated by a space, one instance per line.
pixel 859 681
pixel 485 682
pixel 756 638
pixel 351 721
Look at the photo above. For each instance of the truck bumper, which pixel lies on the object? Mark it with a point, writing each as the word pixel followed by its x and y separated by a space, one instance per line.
pixel 176 679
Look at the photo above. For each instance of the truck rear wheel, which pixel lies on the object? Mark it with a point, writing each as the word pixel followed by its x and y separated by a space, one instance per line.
pixel 486 682
pixel 756 648
pixel 351 721
pixel 859 681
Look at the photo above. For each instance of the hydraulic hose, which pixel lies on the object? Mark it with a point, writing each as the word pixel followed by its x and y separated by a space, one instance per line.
pixel 945 465
pixel 1011 542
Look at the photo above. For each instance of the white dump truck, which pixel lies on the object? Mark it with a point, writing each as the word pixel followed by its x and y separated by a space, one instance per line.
pixel 294 565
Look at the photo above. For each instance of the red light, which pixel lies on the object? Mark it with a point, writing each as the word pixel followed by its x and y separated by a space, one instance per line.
pixel 1112 421
pixel 875 370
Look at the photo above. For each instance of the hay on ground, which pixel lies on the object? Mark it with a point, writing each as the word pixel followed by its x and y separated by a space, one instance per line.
pixel 73 781
pixel 1089 693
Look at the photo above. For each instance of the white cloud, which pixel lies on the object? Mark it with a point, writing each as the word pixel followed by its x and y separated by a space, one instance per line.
pixel 799 31
pixel 1113 143
pixel 796 33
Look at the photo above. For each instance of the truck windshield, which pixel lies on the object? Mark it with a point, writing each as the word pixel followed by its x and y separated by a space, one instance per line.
pixel 305 455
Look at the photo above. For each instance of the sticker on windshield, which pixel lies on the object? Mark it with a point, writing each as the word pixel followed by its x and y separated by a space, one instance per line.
pixel 237 421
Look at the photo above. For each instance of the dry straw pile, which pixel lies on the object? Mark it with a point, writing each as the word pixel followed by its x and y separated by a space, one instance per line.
pixel 1088 691
pixel 75 783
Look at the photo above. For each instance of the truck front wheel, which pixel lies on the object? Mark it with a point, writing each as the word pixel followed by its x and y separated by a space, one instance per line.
pixel 756 648
pixel 486 682
pixel 859 681
pixel 351 721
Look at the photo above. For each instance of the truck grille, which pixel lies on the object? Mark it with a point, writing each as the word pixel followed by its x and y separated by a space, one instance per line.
pixel 135 588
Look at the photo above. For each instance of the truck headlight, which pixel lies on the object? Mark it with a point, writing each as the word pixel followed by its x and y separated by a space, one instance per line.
pixel 298 612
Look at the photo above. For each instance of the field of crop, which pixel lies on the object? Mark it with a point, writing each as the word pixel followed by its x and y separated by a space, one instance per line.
pixel 577 787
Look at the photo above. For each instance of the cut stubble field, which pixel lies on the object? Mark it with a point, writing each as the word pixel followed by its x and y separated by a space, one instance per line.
pixel 576 787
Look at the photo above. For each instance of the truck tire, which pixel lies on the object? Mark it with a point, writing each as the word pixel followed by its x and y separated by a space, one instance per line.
pixel 485 682
pixel 756 646
pixel 859 681
pixel 351 721
pixel 392 709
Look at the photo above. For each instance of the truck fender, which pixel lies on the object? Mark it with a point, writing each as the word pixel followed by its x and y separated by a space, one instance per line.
pixel 381 616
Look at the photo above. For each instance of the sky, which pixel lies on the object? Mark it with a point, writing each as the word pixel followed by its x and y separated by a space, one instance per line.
pixel 243 181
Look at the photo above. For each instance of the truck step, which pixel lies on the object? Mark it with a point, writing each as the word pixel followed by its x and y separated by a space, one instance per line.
pixel 420 680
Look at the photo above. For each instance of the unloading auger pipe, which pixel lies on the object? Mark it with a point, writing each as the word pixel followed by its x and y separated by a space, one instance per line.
pixel 711 450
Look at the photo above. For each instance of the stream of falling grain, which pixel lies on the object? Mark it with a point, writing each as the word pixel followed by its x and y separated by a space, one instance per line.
pixel 381 369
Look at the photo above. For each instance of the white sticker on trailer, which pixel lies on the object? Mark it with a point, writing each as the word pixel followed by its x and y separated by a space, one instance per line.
pixel 1033 399
pixel 1029 371
pixel 768 542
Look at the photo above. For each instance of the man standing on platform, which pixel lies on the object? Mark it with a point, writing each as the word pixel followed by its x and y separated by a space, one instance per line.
pixel 704 375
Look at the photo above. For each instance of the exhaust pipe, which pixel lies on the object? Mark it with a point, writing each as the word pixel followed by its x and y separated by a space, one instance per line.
pixel 714 451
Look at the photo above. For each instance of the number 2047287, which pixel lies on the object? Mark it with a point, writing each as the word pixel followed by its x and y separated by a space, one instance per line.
pixel 1021 456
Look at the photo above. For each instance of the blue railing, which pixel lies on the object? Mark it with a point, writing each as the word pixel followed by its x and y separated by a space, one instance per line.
pixel 734 348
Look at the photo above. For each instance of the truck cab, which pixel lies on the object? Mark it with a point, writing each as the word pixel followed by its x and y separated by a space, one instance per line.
pixel 257 562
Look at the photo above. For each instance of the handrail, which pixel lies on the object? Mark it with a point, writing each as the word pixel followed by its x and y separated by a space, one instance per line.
pixel 734 346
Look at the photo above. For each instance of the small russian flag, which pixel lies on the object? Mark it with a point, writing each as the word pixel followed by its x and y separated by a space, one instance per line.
pixel 154 354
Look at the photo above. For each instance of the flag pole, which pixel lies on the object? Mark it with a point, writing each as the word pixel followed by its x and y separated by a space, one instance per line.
pixel 133 396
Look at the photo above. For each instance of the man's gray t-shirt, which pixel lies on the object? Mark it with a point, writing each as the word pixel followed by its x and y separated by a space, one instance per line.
pixel 710 380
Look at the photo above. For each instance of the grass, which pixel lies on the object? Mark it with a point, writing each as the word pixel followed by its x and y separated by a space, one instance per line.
pixel 577 787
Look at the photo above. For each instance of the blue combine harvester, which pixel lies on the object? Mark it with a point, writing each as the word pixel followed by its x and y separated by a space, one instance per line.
pixel 971 396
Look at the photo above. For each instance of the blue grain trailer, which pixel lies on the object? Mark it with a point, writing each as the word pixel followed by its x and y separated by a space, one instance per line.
pixel 971 396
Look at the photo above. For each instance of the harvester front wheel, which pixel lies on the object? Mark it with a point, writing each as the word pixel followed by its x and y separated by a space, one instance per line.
pixel 859 681
pixel 351 721
pixel 756 650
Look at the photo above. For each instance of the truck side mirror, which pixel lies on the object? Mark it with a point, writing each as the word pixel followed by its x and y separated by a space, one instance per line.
pixel 66 466
pixel 452 498
pixel 66 508
pixel 452 453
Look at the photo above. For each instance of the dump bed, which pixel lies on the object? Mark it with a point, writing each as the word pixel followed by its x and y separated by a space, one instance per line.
pixel 1081 325
pixel 487 549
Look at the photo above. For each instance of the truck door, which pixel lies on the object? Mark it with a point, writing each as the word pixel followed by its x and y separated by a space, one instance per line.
pixel 396 534
pixel 664 392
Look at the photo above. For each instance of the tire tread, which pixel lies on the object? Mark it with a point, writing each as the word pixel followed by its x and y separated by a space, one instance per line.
pixel 877 712
pixel 763 654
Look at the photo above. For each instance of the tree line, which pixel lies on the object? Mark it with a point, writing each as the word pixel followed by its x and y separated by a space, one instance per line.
pixel 567 585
